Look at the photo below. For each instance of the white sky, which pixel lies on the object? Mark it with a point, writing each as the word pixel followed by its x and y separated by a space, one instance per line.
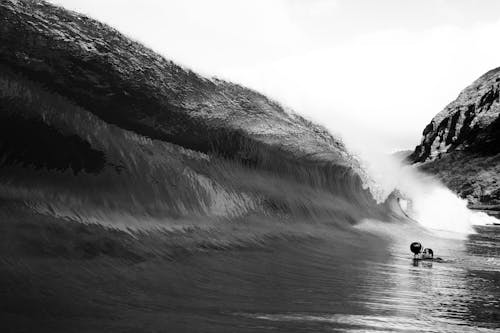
pixel 375 72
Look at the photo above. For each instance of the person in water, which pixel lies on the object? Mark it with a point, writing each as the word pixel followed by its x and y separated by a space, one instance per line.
pixel 428 254
pixel 425 254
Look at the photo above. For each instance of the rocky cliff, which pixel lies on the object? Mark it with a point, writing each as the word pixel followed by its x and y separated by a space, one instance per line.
pixel 461 145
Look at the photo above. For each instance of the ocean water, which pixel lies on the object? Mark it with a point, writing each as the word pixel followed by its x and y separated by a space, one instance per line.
pixel 393 293
pixel 360 279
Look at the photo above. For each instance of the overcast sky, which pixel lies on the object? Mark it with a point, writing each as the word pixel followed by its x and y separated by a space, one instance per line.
pixel 375 72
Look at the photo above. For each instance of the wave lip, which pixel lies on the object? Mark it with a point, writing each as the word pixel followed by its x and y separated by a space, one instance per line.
pixel 130 86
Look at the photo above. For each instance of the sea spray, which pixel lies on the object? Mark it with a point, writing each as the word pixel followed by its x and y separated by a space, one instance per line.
pixel 422 197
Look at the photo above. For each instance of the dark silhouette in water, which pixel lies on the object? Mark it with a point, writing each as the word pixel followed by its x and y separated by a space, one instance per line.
pixel 416 248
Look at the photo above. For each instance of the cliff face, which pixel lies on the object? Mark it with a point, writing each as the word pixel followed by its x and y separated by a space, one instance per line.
pixel 130 86
pixel 469 123
pixel 461 144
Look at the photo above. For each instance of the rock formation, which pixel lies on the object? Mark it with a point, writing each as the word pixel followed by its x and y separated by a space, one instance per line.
pixel 461 144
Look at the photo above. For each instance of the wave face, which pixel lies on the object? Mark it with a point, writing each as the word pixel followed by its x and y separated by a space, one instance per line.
pixel 99 130
pixel 61 161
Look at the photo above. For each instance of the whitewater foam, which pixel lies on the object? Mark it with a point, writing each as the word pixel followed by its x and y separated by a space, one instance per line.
pixel 422 197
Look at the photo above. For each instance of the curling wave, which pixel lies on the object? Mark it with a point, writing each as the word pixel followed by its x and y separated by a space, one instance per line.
pixel 110 134
pixel 76 168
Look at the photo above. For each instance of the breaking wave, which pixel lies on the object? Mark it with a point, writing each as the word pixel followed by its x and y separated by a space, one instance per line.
pixel 74 168
pixel 70 166
pixel 421 197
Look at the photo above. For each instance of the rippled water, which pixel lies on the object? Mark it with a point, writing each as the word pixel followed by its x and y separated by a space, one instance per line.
pixel 393 293
pixel 360 279
pixel 317 288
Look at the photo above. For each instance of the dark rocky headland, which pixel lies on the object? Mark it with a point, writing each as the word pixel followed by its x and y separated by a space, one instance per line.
pixel 461 145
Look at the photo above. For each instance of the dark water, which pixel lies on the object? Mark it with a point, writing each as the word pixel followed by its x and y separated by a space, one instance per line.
pixel 318 287
pixel 357 280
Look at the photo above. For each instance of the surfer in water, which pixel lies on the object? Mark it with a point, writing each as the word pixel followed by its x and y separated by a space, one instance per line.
pixel 422 254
